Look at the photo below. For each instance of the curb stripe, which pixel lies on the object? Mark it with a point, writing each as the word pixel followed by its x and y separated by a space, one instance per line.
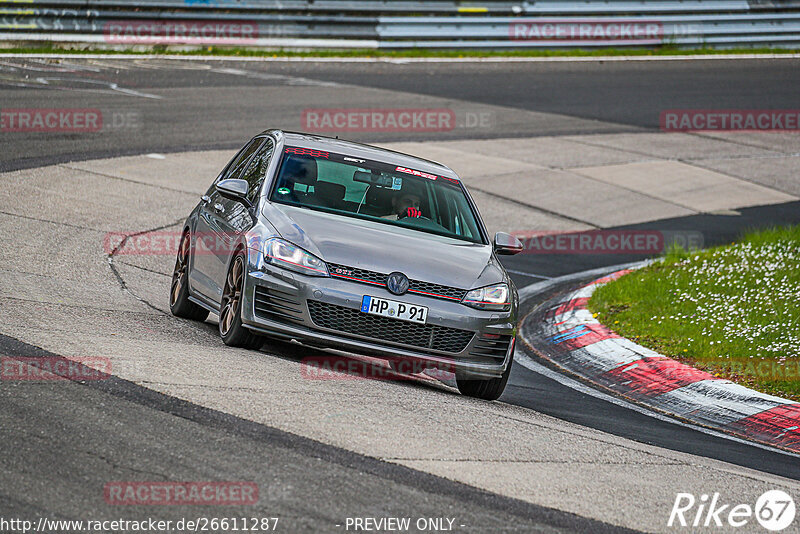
pixel 716 402
pixel 591 334
pixel 577 341
pixel 611 277
pixel 653 376
pixel 570 305
pixel 779 425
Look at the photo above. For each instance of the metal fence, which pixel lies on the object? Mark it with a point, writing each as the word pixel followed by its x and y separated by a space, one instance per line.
pixel 400 24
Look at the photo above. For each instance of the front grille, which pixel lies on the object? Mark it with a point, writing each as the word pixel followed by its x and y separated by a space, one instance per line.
pixel 436 290
pixel 426 336
pixel 277 305
pixel 364 276
pixel 491 347
pixel 357 275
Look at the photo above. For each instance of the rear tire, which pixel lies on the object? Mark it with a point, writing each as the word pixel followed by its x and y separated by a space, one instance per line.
pixel 179 303
pixel 231 329
pixel 489 390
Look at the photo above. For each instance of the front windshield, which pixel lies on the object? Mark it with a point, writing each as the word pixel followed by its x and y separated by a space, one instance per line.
pixel 374 190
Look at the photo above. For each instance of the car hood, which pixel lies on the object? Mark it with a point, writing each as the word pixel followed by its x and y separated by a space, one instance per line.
pixel 383 248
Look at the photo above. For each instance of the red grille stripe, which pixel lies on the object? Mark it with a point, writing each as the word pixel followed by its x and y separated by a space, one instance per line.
pixel 358 279
pixel 433 294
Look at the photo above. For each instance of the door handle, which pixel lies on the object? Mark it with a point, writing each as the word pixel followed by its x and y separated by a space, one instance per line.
pixel 206 199
pixel 219 208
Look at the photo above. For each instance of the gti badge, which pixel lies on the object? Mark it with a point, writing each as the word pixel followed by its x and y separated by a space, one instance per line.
pixel 397 283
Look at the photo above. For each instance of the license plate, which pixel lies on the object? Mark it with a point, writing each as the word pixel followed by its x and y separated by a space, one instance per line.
pixel 394 309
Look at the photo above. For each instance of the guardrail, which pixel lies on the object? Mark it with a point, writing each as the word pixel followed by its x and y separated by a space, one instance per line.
pixel 400 24
pixel 555 32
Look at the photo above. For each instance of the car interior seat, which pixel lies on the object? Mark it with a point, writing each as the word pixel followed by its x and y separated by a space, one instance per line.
pixel 378 201
pixel 298 170
pixel 329 194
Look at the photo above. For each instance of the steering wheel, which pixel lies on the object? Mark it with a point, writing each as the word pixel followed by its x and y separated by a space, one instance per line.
pixel 412 213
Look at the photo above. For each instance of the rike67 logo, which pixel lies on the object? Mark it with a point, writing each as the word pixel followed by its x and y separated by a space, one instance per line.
pixel 774 510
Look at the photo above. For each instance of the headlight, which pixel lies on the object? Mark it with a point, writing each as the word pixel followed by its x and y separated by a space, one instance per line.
pixel 284 254
pixel 488 298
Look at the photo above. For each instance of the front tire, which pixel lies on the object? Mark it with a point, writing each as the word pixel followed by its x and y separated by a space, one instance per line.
pixel 489 390
pixel 231 330
pixel 179 303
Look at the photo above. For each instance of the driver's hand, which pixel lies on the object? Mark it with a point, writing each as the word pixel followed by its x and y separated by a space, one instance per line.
pixel 410 212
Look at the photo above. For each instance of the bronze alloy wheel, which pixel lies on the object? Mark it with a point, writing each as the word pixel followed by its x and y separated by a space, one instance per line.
pixel 231 296
pixel 233 332
pixel 179 274
pixel 179 303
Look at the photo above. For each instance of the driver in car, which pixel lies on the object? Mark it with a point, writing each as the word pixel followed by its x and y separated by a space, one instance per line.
pixel 404 205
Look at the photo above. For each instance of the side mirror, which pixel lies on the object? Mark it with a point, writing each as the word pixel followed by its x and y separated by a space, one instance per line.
pixel 507 244
pixel 233 189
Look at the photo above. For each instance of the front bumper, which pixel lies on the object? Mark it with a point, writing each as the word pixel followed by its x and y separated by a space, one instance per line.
pixel 276 303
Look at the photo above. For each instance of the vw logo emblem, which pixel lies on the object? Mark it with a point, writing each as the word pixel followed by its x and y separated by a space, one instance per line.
pixel 397 283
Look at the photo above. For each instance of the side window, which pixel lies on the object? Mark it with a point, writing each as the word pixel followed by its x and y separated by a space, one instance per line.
pixel 257 170
pixel 223 173
pixel 236 167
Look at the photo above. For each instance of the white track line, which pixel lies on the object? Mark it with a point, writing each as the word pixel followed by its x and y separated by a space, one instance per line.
pixel 530 275
pixel 538 287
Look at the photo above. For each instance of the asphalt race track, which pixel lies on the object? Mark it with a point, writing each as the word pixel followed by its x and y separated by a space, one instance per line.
pixel 531 140
pixel 221 102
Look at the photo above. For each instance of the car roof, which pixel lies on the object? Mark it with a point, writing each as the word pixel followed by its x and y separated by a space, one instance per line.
pixel 351 148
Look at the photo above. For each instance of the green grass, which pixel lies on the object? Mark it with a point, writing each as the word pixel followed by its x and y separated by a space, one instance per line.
pixel 372 53
pixel 733 311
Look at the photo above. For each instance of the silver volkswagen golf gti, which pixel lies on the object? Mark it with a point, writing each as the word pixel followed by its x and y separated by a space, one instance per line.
pixel 348 246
